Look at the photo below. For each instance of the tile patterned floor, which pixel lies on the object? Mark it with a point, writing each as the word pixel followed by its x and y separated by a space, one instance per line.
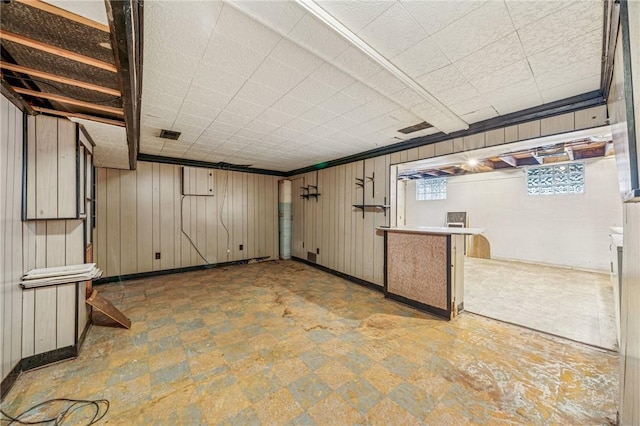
pixel 565 302
pixel 282 343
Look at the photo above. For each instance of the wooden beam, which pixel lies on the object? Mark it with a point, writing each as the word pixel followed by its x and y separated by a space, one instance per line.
pixel 510 160
pixel 431 173
pixel 14 98
pixel 608 149
pixel 60 79
pixel 449 171
pixel 34 44
pixel 46 7
pixel 540 160
pixel 569 152
pixel 78 115
pixel 69 101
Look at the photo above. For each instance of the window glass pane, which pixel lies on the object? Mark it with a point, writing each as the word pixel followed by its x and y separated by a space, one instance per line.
pixel 431 189
pixel 556 179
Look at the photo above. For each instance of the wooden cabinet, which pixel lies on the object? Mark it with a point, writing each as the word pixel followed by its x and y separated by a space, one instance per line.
pixel 57 157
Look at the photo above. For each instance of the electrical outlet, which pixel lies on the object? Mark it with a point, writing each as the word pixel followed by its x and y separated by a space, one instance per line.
pixel 157 255
pixel 241 247
pixel 317 251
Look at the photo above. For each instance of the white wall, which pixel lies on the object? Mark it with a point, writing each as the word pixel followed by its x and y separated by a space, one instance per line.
pixel 567 230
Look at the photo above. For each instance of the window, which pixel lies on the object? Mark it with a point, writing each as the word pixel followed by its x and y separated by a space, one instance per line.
pixel 556 179
pixel 431 189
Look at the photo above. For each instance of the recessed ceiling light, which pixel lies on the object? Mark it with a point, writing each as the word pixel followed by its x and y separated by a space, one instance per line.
pixel 472 162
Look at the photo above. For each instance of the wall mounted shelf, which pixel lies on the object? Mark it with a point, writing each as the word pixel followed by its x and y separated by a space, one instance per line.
pixel 307 193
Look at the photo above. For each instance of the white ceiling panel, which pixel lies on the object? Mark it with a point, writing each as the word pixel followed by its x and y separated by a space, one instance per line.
pixel 578 18
pixel 316 37
pixel 434 16
pixel 355 15
pixel 111 144
pixel 503 52
pixel 90 9
pixel 393 31
pixel 241 77
pixel 482 26
pixel 421 58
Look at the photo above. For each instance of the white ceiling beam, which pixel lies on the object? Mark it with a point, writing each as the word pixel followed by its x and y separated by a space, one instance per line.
pixel 323 16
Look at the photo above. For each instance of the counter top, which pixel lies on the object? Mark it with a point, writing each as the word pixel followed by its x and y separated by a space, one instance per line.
pixel 433 230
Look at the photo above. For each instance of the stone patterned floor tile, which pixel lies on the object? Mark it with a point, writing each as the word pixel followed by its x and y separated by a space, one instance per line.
pixel 282 343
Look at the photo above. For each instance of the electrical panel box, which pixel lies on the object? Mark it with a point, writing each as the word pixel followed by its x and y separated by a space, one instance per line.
pixel 197 181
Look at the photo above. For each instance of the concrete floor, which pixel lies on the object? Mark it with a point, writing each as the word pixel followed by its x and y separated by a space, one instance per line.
pixel 565 302
pixel 283 343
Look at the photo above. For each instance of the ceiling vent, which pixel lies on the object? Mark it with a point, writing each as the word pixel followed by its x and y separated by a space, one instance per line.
pixel 169 134
pixel 415 128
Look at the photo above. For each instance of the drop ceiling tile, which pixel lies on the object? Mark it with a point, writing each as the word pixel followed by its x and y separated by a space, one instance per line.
pixel 341 103
pixel 193 120
pixel 221 129
pixel 421 58
pixel 393 31
pixel 322 131
pixel 296 57
pixel 568 74
pixel 162 99
pixel 213 77
pixel 200 95
pixel 518 103
pixel 259 94
pixel 458 94
pixel 468 105
pixel 170 62
pixel 356 63
pixel 246 31
pixel 282 15
pixel 424 109
pixel 176 86
pixel 300 125
pixel 442 79
pixel 407 98
pixel 332 76
pixel 312 91
pixel 480 115
pixel 565 24
pixel 507 76
pixel 276 118
pixel 244 108
pixel 579 49
pixel 361 92
pixel 261 126
pixel 434 16
pixel 189 137
pixel 340 123
pixel 574 88
pixel 503 94
pixel 384 121
pixel 491 58
pixel 405 116
pixel 232 57
pixel 157 113
pixel 524 13
pixel 355 15
pixel 318 115
pixel 200 110
pixel 291 105
pixel 482 26
pixel 318 38
pixel 277 75
pixel 233 119
pixel 385 82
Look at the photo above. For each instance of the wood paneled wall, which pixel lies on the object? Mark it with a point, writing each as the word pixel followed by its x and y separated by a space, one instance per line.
pixel 49 313
pixel 11 133
pixel 140 213
pixel 348 243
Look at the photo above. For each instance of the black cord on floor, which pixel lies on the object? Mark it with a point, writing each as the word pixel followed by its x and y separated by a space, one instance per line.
pixel 75 405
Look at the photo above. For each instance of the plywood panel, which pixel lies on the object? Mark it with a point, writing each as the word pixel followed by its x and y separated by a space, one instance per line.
pixel 144 217
pixel 413 154
pixel 32 170
pixel 495 137
pixel 275 252
pixel 474 141
pixel 47 166
pixel 45 319
pixel 251 216
pixel 558 124
pixel 343 211
pixel 167 222
pixel 100 245
pixel 74 242
pixel 380 219
pixel 56 243
pixel 591 117
pixel 458 145
pixel 67 170
pixel 128 222
pixel 245 215
pixel 155 169
pixel 510 134
pixel 112 233
pixel 65 315
pixel 350 213
pixel 368 232
pixel 529 130
pixel 237 215
pixel 28 325
pixel 426 151
pixel 442 148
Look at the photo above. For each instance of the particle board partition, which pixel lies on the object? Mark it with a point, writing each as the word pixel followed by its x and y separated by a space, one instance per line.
pixel 425 267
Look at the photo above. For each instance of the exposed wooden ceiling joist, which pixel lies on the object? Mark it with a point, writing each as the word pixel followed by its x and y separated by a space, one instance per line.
pixel 46 7
pixel 60 79
pixel 79 115
pixel 69 101
pixel 510 160
pixel 34 44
